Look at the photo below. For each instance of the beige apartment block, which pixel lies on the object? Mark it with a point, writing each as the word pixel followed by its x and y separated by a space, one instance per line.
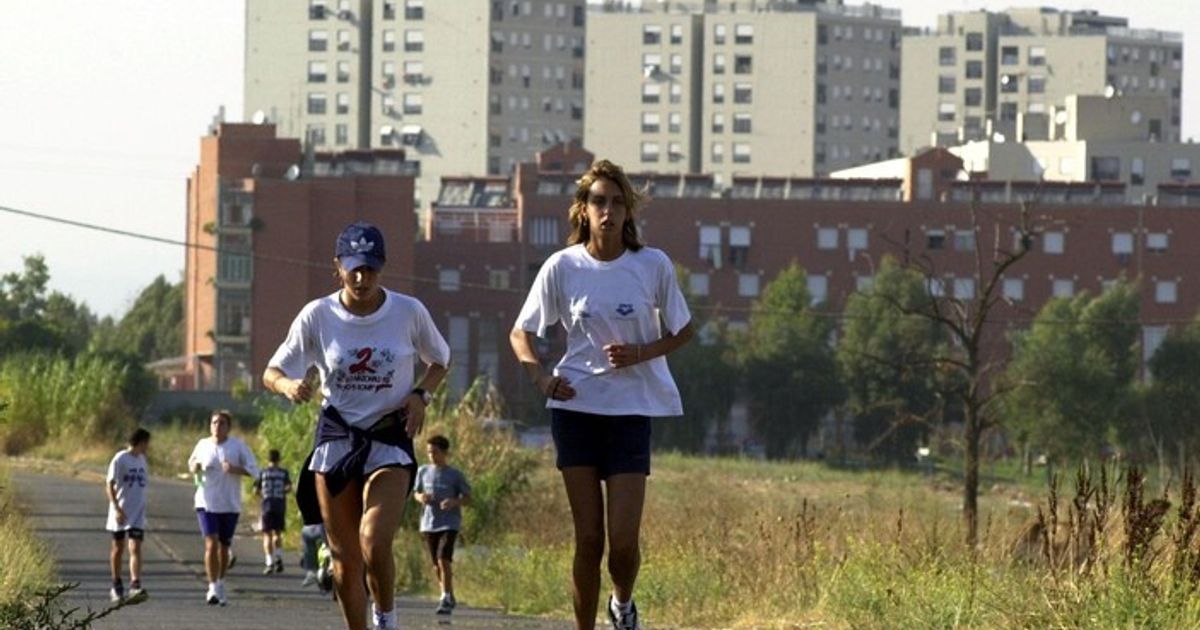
pixel 464 87
pixel 990 69
pixel 741 88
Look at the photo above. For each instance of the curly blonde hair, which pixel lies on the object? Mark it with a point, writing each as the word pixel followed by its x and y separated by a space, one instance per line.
pixel 634 200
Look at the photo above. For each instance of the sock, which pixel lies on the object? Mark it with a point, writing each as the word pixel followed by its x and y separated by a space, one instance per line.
pixel 270 559
pixel 212 586
pixel 383 618
pixel 623 608
pixel 135 584
pixel 117 583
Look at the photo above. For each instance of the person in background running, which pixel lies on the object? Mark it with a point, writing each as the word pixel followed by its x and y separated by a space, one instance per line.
pixel 125 486
pixel 272 485
pixel 623 312
pixel 218 462
pixel 442 489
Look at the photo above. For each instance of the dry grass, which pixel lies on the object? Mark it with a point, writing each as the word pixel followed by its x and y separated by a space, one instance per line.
pixel 25 565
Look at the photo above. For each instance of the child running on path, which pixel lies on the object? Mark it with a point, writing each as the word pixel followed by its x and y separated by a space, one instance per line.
pixel 125 486
pixel 272 485
pixel 442 490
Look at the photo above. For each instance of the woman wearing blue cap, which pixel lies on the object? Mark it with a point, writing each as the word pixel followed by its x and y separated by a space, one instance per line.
pixel 363 340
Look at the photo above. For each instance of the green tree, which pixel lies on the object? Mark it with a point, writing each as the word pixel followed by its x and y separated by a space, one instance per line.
pixel 153 327
pixel 23 295
pixel 73 321
pixel 1075 367
pixel 788 365
pixel 31 321
pixel 1173 399
pixel 891 384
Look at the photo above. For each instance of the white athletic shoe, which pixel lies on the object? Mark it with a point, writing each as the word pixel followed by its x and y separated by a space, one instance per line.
pixel 115 595
pixel 385 621
pixel 310 578
pixel 623 620
pixel 221 599
pixel 137 595
pixel 212 596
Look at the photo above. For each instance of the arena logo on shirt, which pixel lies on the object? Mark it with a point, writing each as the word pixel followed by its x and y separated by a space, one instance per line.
pixel 370 369
pixel 624 309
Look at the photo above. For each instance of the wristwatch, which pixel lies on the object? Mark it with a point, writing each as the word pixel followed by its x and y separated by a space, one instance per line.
pixel 426 397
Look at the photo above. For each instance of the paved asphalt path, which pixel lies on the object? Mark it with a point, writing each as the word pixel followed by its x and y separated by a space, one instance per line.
pixel 68 512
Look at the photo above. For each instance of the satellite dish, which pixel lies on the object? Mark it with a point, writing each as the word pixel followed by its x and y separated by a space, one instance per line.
pixel 1136 116
pixel 293 173
pixel 259 117
pixel 998 138
pixel 1109 91
pixel 1005 79
pixel 1060 117
pixel 650 70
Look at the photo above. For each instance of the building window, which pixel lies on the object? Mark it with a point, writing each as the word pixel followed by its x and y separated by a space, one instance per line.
pixel 946 84
pixel 743 64
pixel 946 56
pixel 964 240
pixel 1053 242
pixel 1181 168
pixel 1014 289
pixel 1008 111
pixel 315 135
pixel 698 284
pixel 674 122
pixel 856 239
pixel 818 288
pixel 676 34
pixel 544 232
pixel 389 9
pixel 743 93
pixel 718 153
pixel 710 245
pixel 499 278
pixel 1122 243
pixel 316 103
pixel 676 64
pixel 935 239
pixel 651 34
pixel 676 93
pixel 1063 288
pixel 650 122
pixel 964 288
pixel 739 246
pixel 1106 169
pixel 946 112
pixel 974 70
pixel 719 31
pixel 973 97
pixel 674 151
pixel 718 123
pixel 343 72
pixel 827 238
pixel 1137 171
pixel 318 41
pixel 1165 291
pixel 974 42
pixel 317 9
pixel 389 41
pixel 719 63
pixel 741 124
pixel 413 103
pixel 1156 242
pixel 1036 84
pixel 414 41
pixel 1010 55
pixel 748 284
pixel 743 34
pixel 449 280
pixel 414 9
pixel 864 284
pixel 1010 84
pixel 741 152
pixel 317 71
pixel 936 287
pixel 649 151
pixel 651 93
pixel 1037 55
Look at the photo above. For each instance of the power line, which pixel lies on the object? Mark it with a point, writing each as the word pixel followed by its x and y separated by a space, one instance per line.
pixel 712 308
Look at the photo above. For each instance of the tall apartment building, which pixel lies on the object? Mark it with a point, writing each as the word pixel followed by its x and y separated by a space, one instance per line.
pixel 263 220
pixel 979 72
pixel 727 88
pixel 465 86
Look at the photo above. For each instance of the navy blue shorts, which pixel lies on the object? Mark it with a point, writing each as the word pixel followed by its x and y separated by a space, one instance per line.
pixel 133 533
pixel 611 444
pixel 219 524
pixel 274 512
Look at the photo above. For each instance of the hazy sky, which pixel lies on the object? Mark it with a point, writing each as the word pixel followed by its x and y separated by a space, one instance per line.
pixel 102 105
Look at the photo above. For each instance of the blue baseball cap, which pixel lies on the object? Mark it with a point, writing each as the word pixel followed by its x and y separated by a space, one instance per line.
pixel 359 245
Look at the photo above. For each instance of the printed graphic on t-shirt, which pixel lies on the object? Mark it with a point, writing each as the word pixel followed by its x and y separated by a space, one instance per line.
pixel 605 323
pixel 134 476
pixel 365 369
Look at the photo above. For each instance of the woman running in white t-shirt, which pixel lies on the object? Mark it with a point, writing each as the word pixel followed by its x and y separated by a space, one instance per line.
pixel 614 296
pixel 363 340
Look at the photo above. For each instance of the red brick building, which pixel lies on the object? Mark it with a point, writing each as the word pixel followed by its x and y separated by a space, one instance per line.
pixel 483 248
pixel 263 218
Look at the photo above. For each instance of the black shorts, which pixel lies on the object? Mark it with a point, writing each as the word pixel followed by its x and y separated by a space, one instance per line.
pixel 611 444
pixel 133 533
pixel 274 512
pixel 440 544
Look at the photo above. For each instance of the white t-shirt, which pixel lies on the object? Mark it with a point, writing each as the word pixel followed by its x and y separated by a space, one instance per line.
pixel 221 491
pixel 131 475
pixel 603 302
pixel 366 362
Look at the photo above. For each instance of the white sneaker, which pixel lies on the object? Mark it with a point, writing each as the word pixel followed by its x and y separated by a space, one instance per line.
pixel 623 620
pixel 310 578
pixel 115 594
pixel 385 620
pixel 212 596
pixel 137 595
pixel 221 599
